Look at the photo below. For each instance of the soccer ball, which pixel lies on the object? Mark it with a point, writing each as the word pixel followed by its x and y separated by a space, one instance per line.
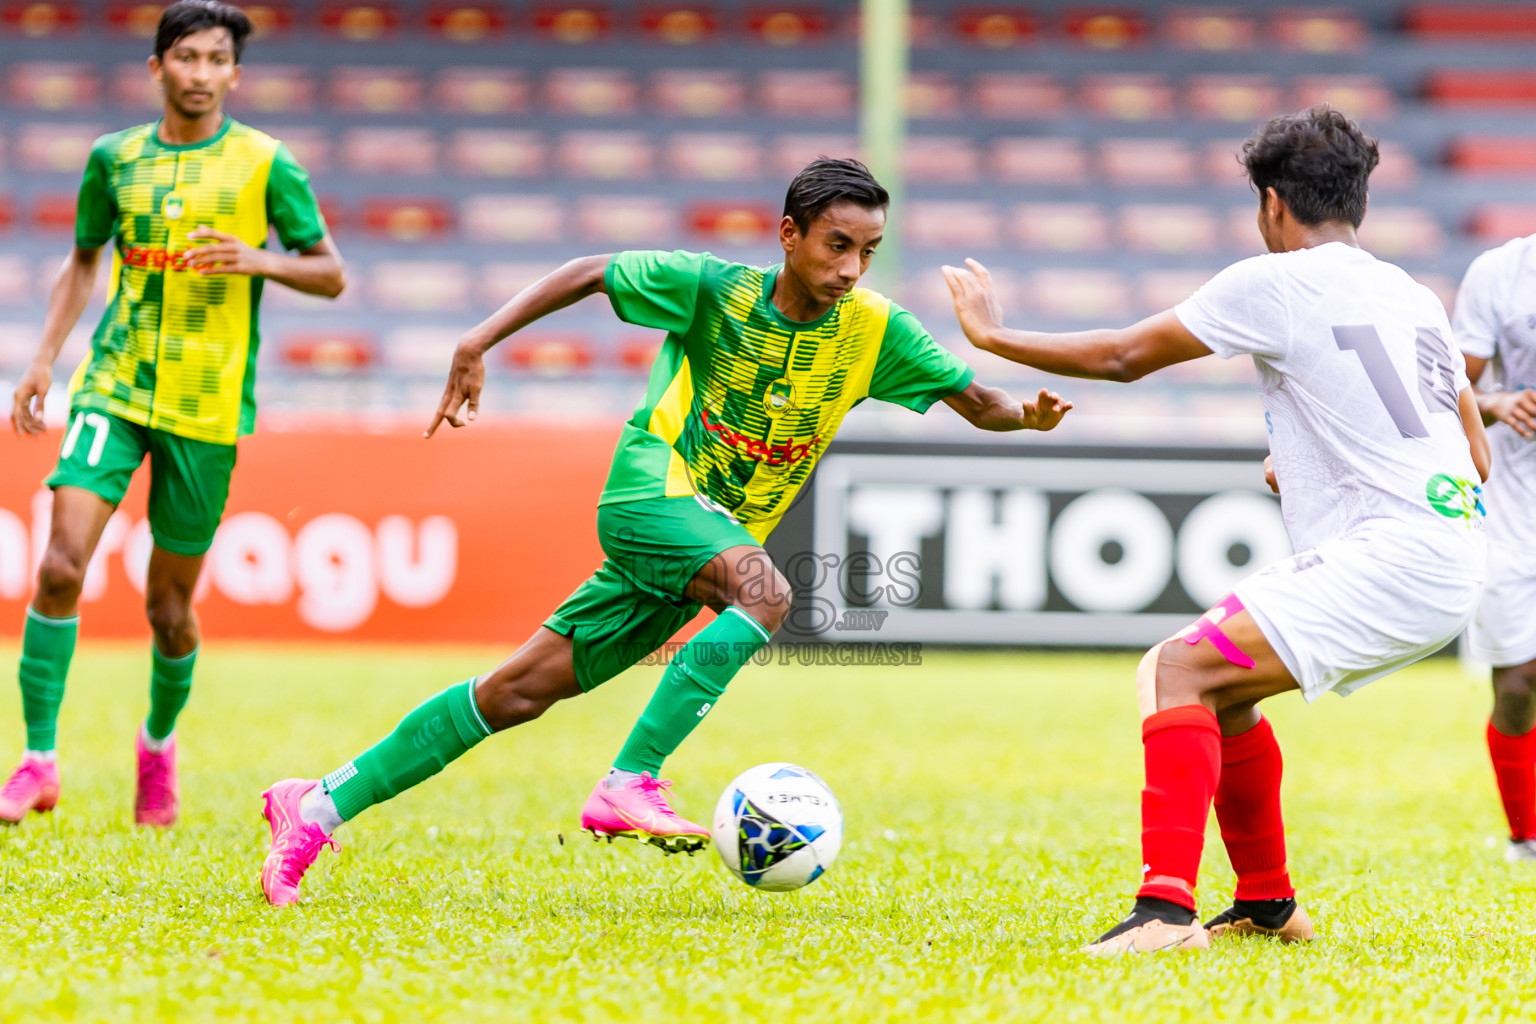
pixel 778 827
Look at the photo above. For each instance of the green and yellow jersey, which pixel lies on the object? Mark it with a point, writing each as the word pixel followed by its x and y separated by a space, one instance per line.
pixel 176 351
pixel 743 401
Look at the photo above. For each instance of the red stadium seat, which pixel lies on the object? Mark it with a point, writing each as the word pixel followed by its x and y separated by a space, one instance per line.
pixel 1359 96
pixel 932 94
pixel 336 217
pixel 548 354
pixel 605 155
pixel 1468 87
pixel 1494 156
pixel 1319 30
pixel 59 148
pixel 626 220
pixel 500 281
pixel 419 285
pixel 1080 294
pixel 1500 23
pixel 787 26
pixel 360 23
pixel 468 23
pixel 7 212
pixel 790 153
pixel 715 156
pixel 1018 95
pixel 513 218
pixel 1147 161
pixel 1241 98
pixel 1223 163
pixel 329 352
pixel 16 280
pixel 498 153
pixel 806 94
pixel 40 20
pixel 1497 223
pixel 268 20
pixel 310 146
pixel 1168 228
pixel 390 151
pixel 1157 290
pixel 405 219
pixel 482 91
pixel 1127 97
pixel 744 223
pixel 946 159
pixel 1398 168
pixel 996 28
pixel 689 92
pixel 1060 227
pixel 274 88
pixel 48 85
pixel 1401 231
pixel 425 350
pixel 676 25
pixel 134 19
pixel 1217 29
pixel 1035 160
pixel 1104 29
pixel 132 88
pixel 376 90
pixel 638 352
pixel 593 92
pixel 952 224
pixel 573 24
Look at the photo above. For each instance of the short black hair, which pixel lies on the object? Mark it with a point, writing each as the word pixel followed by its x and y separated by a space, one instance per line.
pixel 185 17
pixel 825 182
pixel 1317 160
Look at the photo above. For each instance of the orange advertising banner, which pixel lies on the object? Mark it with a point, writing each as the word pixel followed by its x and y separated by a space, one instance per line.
pixel 473 536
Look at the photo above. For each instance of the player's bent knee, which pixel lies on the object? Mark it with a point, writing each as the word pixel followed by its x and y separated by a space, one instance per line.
pixel 1178 677
pixel 1146 681
pixel 61 573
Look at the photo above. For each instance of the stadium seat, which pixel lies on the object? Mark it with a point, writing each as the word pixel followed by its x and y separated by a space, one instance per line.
pixel 425 350
pixel 679 25
pixel 1223 162
pixel 1018 95
pixel 419 285
pixel 376 90
pixel 274 88
pixel 1497 223
pixel 1060 227
pixel 1310 30
pixel 484 91
pixel 690 92
pixel 497 153
pixel 134 18
pixel 360 23
pixel 16 287
pixel 996 28
pixel 573 24
pixel 932 94
pixel 743 223
pixel 548 354
pixel 269 19
pixel 629 221
pixel 715 156
pixel 1147 161
pixel 406 219
pixel 591 92
pixel 952 224
pixel 1493 156
pixel 940 159
pixel 329 352
pixel 1240 98
pixel 513 218
pixel 1038 161
pixel 41 20
pixel 390 151
pixel 1398 167
pixel 1099 295
pixel 1462 87
pixel 499 281
pixel 468 23
pixel 1217 29
pixel 1454 23
pixel 59 148
pixel 1399 231
pixel 792 152
pixel 1157 290
pixel 1359 96
pixel 1168 228
pixel 809 94
pixel 133 89
pixel 1104 29
pixel 1127 97
pixel 310 146
pixel 1240 230
pixel 54 85
pixel 787 26
pixel 606 155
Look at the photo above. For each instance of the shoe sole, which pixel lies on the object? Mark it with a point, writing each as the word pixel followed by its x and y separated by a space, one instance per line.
pixel 37 808
pixel 666 844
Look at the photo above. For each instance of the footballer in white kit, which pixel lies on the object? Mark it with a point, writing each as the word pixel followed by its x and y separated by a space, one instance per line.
pixel 1378 452
pixel 1496 328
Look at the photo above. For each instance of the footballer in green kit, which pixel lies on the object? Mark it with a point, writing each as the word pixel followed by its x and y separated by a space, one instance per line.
pixel 758 369
pixel 186 204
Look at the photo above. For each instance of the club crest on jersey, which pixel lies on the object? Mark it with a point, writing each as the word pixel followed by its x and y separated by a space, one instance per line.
pixel 779 398
pixel 172 206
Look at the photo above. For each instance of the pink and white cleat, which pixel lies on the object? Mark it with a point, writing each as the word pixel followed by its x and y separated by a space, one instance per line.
pixel 157 797
pixel 33 786
pixel 639 810
pixel 295 842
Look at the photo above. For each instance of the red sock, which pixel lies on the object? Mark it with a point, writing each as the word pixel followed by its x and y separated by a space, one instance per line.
pixel 1248 810
pixel 1514 766
pixel 1183 757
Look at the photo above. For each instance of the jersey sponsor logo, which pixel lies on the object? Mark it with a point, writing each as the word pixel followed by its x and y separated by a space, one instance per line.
pixel 150 258
pixel 1454 497
pixel 785 453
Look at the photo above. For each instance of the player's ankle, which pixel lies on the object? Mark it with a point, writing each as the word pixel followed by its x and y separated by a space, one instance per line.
pixel 1163 910
pixel 318 808
pixel 1266 913
pixel 618 778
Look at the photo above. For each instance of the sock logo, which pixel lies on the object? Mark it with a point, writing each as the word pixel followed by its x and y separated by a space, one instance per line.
pixel 704 710
pixel 429 731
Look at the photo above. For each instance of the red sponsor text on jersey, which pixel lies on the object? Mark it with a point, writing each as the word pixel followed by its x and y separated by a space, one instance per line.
pixel 155 259
pixel 785 453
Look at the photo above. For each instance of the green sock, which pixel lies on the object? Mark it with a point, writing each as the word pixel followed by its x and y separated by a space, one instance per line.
pixel 46 647
pixel 441 729
pixel 170 684
pixel 695 679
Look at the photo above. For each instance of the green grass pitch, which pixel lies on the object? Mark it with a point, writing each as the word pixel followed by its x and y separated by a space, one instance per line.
pixel 991 828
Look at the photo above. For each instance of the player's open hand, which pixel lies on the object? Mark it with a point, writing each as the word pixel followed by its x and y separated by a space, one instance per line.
pixel 1517 408
pixel 976 305
pixel 225 254
pixel 27 403
pixel 465 379
pixel 1045 411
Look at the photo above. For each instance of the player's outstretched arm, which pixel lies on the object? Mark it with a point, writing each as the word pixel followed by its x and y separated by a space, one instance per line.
pixel 71 291
pixel 995 409
pixel 571 283
pixel 1123 354
pixel 317 270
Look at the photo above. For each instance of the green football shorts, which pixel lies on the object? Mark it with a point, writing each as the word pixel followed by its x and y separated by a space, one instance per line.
pixel 635 601
pixel 188 480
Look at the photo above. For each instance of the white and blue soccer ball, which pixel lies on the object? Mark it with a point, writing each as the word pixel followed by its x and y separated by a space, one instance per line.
pixel 778 827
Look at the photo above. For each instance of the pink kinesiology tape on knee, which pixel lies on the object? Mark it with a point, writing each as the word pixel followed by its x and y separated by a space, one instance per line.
pixel 1209 628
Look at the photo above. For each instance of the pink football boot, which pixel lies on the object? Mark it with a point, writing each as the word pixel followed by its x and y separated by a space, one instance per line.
pixel 157 798
pixel 295 842
pixel 33 786
pixel 639 810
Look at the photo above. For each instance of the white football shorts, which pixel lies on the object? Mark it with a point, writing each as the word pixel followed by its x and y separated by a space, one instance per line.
pixel 1503 631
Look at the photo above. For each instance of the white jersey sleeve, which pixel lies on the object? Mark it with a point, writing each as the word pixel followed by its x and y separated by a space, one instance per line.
pixel 1476 325
pixel 1240 311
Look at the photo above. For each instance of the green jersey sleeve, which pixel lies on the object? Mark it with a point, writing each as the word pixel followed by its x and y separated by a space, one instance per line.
pixel 96 209
pixel 291 204
pixel 914 370
pixel 655 289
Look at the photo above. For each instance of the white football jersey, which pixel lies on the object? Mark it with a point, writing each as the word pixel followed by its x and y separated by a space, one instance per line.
pixel 1496 320
pixel 1360 382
